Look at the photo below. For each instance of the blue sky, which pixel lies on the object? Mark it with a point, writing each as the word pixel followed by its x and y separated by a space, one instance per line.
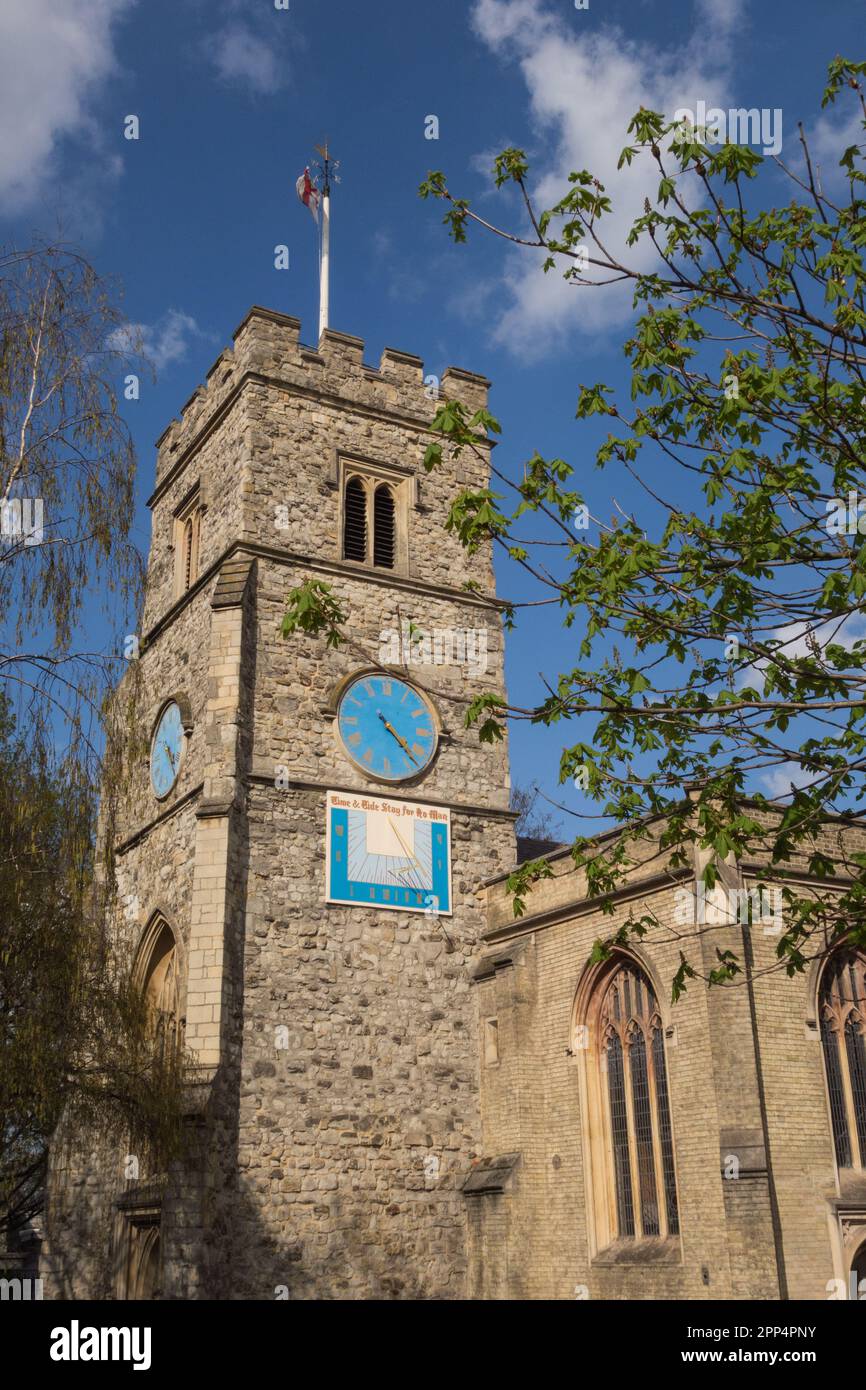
pixel 232 95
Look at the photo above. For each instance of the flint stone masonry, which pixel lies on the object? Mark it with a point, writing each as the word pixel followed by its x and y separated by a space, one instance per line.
pixel 339 1045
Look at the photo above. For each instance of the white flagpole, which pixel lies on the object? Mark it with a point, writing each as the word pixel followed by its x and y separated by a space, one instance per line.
pixel 324 266
pixel 325 260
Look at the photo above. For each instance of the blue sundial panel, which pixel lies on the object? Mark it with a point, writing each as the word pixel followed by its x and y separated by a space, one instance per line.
pixel 391 854
pixel 166 750
pixel 386 727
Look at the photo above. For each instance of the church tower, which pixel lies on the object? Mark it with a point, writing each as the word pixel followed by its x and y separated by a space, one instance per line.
pixel 303 851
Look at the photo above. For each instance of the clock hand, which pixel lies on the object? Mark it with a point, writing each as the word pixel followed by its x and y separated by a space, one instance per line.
pixel 391 730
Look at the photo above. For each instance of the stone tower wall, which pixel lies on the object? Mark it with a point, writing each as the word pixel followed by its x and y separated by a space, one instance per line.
pixel 329 1165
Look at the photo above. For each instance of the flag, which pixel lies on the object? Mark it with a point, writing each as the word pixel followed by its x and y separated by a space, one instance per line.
pixel 309 194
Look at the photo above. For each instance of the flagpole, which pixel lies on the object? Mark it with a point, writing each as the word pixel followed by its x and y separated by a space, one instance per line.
pixel 325 262
pixel 324 267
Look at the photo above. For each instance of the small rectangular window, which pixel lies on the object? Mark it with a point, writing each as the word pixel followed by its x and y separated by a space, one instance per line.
pixel 491 1041
pixel 187 539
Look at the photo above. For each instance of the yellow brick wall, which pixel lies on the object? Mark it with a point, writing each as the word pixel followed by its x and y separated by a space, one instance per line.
pixel 744 1067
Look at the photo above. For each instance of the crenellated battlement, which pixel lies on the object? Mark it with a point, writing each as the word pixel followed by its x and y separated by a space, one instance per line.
pixel 267 344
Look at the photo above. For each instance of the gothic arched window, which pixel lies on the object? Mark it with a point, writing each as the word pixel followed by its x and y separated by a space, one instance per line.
pixel 187 538
pixel 355 521
pixel 383 527
pixel 628 1055
pixel 143 1269
pixel 187 558
pixel 842 1013
pixel 374 518
pixel 157 973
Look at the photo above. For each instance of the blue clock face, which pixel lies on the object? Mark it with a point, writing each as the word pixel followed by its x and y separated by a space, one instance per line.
pixel 166 750
pixel 386 727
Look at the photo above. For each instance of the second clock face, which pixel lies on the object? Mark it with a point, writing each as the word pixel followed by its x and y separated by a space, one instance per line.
pixel 166 750
pixel 386 727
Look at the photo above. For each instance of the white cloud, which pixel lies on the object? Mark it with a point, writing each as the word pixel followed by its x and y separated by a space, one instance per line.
pixel 807 639
pixel 726 19
pixel 828 138
pixel 802 639
pixel 584 85
pixel 167 340
pixel 53 57
pixel 244 57
pixel 778 781
pixel 383 242
pixel 521 22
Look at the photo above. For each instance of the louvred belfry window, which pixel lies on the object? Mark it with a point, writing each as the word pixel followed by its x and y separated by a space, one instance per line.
pixel 371 516
pixel 355 521
pixel 842 1011
pixel 383 527
pixel 632 1058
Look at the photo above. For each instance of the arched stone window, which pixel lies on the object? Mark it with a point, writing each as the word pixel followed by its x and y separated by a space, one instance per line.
pixel 143 1276
pixel 383 527
pixel 627 1108
pixel 355 521
pixel 187 560
pixel 157 972
pixel 374 518
pixel 842 1015
pixel 187 539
